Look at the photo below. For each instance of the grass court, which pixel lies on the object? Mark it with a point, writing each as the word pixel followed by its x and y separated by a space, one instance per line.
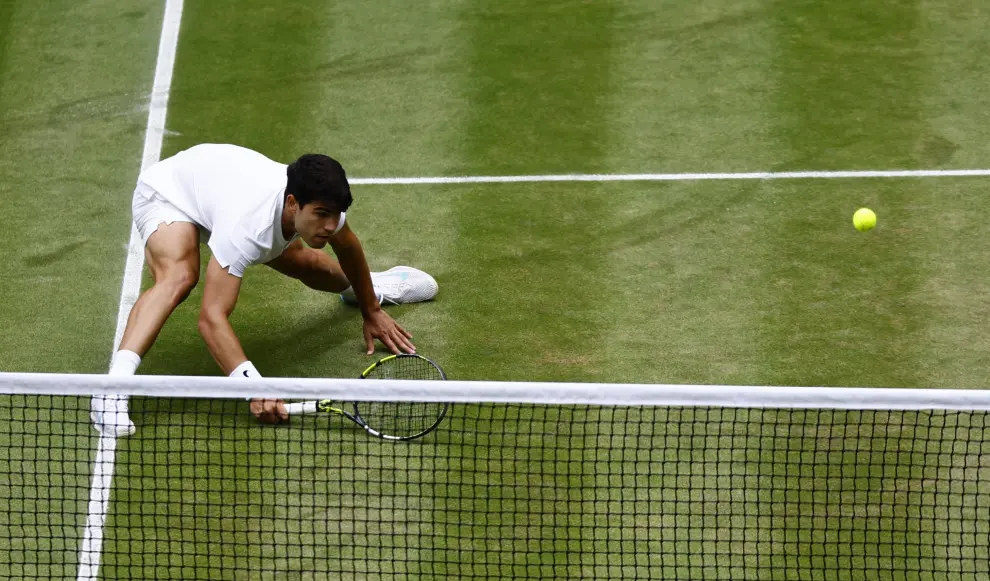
pixel 737 282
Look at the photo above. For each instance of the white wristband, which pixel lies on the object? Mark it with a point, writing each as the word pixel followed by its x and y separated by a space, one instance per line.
pixel 245 369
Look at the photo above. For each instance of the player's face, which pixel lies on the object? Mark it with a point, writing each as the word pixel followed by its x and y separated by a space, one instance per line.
pixel 315 223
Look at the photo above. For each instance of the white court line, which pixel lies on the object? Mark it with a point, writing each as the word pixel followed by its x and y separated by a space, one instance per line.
pixel 91 548
pixel 675 177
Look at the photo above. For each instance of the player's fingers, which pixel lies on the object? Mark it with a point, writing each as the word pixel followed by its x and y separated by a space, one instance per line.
pixel 390 344
pixel 406 344
pixel 264 416
pixel 283 414
pixel 274 413
pixel 266 412
pixel 403 331
pixel 400 336
pixel 369 343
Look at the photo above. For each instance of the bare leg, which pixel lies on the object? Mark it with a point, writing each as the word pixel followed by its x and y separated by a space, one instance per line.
pixel 172 254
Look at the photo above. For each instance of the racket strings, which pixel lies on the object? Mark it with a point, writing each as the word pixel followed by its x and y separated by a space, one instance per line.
pixel 407 367
pixel 403 419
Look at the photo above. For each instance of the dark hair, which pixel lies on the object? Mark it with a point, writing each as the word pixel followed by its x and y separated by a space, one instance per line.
pixel 318 178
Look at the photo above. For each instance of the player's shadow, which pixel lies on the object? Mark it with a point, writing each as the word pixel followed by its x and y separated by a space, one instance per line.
pixel 277 349
pixel 271 348
pixel 272 351
pixel 299 345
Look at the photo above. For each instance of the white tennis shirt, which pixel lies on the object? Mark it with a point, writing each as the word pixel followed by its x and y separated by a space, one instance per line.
pixel 235 194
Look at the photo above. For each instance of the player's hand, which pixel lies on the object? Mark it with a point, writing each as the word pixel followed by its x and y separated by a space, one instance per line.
pixel 379 325
pixel 269 411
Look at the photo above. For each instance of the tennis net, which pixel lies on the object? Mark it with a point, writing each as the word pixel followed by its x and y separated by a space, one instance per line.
pixel 519 481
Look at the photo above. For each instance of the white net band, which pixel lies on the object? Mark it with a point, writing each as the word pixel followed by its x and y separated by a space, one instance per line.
pixel 620 394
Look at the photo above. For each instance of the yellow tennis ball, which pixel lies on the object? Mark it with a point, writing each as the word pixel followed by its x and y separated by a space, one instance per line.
pixel 864 219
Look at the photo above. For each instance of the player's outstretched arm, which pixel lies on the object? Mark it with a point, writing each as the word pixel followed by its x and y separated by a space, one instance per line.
pixel 219 298
pixel 377 323
pixel 352 261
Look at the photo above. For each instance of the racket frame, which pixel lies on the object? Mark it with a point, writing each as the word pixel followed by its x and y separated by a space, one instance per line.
pixel 327 406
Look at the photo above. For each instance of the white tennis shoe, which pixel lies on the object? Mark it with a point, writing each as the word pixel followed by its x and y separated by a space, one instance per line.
pixel 109 415
pixel 399 285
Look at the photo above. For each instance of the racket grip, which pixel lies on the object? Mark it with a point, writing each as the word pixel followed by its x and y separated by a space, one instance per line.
pixel 304 407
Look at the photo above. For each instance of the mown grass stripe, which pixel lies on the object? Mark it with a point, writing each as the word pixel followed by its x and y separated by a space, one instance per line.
pixel 527 279
pixel 842 307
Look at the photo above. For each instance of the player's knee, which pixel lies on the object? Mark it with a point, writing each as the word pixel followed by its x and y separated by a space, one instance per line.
pixel 180 282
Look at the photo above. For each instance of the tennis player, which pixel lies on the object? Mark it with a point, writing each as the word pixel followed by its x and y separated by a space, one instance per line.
pixel 249 210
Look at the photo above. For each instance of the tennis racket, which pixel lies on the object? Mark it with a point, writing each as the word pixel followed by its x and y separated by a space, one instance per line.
pixel 405 420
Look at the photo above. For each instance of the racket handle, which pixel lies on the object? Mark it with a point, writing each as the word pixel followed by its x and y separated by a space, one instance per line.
pixel 305 407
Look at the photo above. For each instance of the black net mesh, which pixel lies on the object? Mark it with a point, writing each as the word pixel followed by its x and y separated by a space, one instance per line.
pixel 499 491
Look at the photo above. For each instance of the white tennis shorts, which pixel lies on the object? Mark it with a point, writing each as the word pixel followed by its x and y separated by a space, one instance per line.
pixel 151 210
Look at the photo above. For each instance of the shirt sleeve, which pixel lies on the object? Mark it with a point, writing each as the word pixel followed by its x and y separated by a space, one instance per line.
pixel 233 252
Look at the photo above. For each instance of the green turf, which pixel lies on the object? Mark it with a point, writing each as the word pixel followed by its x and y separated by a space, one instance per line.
pixel 861 104
pixel 734 282
pixel 74 80
pixel 690 87
pixel 508 279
